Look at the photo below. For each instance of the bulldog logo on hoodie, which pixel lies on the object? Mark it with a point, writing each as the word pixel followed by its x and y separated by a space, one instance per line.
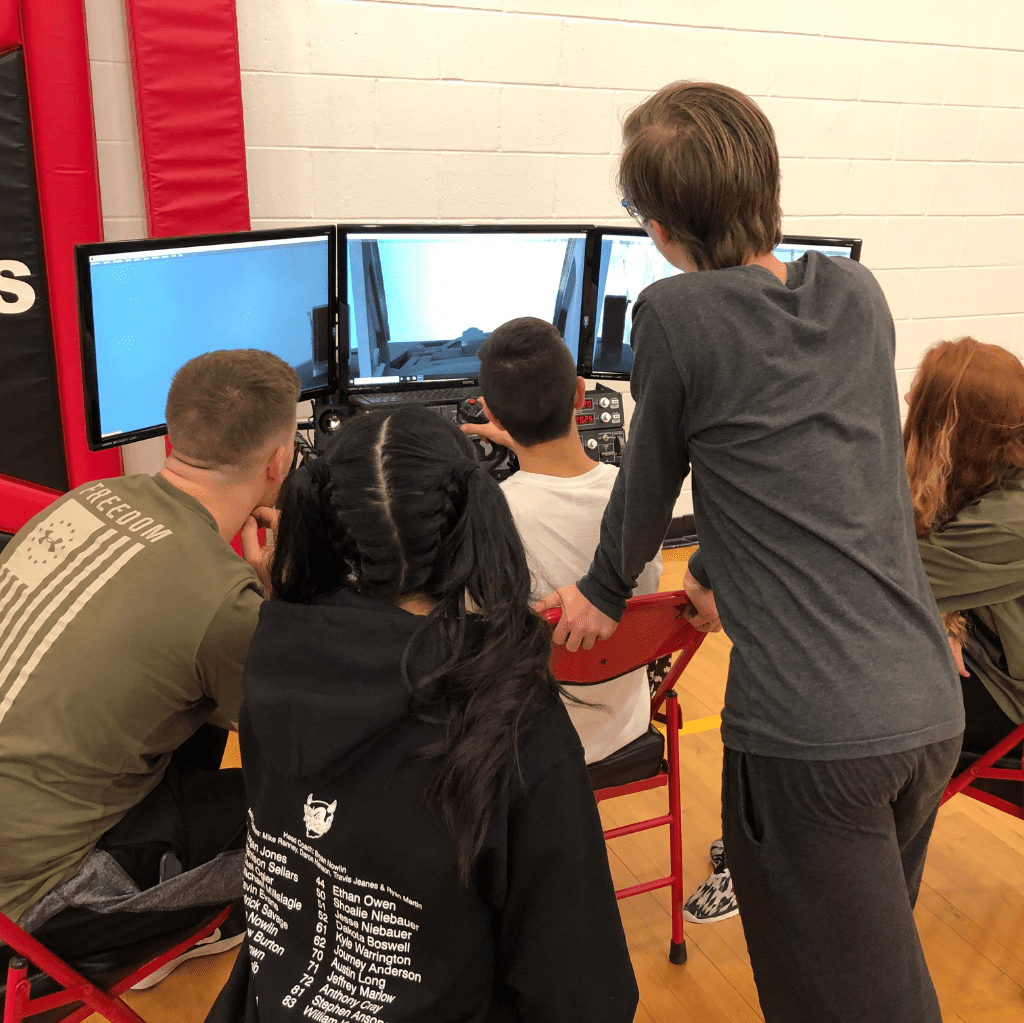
pixel 318 816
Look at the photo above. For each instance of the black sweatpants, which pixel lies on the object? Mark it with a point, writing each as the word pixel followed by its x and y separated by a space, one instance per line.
pixel 194 816
pixel 826 858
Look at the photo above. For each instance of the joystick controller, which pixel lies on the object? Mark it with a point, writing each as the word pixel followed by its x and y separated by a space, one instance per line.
pixel 487 452
pixel 471 410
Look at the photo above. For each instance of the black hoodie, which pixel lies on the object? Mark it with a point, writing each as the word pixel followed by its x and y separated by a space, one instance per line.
pixel 354 907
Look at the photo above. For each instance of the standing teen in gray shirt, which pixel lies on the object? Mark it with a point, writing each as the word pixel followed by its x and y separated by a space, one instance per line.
pixel 842 717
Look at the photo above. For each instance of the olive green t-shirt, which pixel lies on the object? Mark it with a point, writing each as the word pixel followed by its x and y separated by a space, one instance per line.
pixel 125 620
pixel 975 564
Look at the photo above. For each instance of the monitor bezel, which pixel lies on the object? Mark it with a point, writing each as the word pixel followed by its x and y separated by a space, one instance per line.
pixel 813 239
pixel 87 336
pixel 592 272
pixel 411 387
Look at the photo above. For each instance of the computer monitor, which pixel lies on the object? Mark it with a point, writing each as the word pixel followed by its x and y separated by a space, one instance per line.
pixel 793 246
pixel 147 307
pixel 422 300
pixel 624 261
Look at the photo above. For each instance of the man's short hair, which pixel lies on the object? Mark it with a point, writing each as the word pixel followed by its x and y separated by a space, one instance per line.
pixel 701 160
pixel 225 406
pixel 528 380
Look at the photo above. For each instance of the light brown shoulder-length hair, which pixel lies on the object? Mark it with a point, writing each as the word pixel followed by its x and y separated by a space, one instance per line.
pixel 701 160
pixel 965 427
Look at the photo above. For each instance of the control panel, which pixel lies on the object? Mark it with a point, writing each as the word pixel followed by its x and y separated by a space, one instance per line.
pixel 601 425
pixel 605 445
pixel 600 409
pixel 600 422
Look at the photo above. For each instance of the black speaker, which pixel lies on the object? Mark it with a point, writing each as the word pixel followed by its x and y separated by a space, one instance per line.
pixel 328 415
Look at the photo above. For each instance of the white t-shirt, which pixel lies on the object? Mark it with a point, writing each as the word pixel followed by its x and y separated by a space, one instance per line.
pixel 559 520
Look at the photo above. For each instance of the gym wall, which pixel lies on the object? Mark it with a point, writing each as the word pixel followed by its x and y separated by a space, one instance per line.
pixel 901 123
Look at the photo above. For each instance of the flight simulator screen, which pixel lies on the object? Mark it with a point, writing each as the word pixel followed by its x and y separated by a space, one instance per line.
pixel 628 264
pixel 791 249
pixel 154 309
pixel 422 303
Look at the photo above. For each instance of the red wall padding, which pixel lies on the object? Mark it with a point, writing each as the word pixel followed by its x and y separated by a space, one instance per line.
pixel 10 30
pixel 188 100
pixel 52 34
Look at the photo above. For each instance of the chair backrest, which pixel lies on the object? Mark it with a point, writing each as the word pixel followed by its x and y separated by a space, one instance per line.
pixel 653 625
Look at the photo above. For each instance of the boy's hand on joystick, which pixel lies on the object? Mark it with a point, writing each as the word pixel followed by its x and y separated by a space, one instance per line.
pixel 472 415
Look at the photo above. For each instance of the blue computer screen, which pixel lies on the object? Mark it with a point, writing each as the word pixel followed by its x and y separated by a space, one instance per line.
pixel 422 303
pixel 154 309
pixel 790 252
pixel 628 264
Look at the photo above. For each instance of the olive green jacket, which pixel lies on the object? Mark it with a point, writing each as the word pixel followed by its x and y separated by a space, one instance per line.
pixel 975 564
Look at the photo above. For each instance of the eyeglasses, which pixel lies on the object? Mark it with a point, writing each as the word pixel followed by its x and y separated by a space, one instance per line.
pixel 632 211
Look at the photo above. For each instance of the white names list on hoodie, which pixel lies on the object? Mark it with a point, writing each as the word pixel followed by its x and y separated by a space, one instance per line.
pixel 362 937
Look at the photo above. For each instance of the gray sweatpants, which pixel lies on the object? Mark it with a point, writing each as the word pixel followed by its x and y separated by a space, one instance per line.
pixel 826 858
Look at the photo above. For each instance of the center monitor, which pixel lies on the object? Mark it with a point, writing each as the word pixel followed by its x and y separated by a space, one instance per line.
pixel 624 262
pixel 422 300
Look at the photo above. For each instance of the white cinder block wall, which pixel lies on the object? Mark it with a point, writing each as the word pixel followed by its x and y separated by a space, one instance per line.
pixel 898 122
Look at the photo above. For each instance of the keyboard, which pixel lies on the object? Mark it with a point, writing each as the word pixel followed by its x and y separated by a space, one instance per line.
pixel 424 397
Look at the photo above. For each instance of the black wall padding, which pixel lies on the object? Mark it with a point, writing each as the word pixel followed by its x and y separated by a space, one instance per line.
pixel 4 538
pixel 31 438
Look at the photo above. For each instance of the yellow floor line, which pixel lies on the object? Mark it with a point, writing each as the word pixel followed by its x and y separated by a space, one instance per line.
pixel 700 725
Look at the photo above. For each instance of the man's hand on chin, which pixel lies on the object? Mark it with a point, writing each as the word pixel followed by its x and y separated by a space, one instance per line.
pixel 252 550
pixel 581 624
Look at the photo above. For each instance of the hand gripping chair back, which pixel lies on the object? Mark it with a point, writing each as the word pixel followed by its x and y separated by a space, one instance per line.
pixel 652 627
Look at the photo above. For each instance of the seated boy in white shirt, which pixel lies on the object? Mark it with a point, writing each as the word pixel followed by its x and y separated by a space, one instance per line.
pixel 531 391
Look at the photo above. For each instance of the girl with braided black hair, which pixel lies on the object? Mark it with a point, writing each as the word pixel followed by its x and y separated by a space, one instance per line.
pixel 424 841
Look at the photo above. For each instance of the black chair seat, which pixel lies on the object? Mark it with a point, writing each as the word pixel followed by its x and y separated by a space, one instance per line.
pixel 636 761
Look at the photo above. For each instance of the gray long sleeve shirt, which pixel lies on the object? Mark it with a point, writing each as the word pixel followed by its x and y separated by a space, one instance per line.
pixel 782 398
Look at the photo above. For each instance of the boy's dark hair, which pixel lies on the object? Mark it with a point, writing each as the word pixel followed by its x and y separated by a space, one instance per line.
pixel 398 506
pixel 528 380
pixel 701 160
pixel 222 407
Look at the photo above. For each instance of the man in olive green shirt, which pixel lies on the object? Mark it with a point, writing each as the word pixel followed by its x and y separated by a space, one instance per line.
pixel 125 619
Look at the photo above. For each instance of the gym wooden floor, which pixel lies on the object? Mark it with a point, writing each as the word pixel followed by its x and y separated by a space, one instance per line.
pixel 970 912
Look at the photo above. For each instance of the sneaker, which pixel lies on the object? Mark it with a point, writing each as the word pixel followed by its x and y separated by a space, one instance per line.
pixel 220 941
pixel 714 900
pixel 717 854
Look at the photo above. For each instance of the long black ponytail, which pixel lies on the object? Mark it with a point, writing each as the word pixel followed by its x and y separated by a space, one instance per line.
pixel 399 507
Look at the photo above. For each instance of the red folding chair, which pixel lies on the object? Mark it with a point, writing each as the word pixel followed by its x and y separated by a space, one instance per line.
pixel 653 626
pixel 20 1004
pixel 994 766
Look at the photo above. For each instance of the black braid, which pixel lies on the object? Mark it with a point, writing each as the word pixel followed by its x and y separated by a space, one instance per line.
pixel 407 511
